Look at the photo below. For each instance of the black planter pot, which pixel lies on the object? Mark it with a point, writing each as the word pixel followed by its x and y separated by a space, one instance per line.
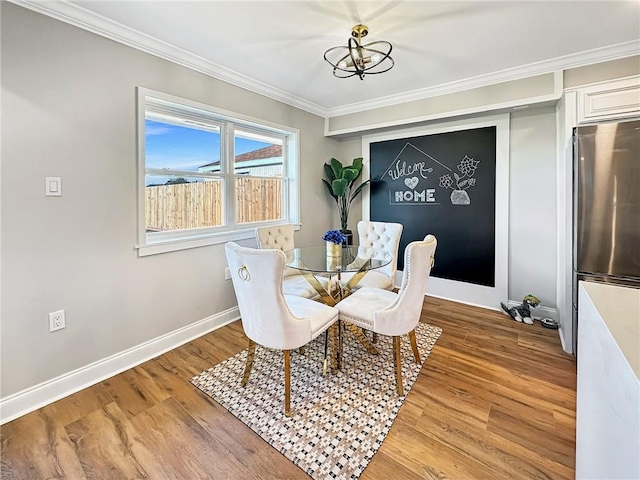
pixel 349 235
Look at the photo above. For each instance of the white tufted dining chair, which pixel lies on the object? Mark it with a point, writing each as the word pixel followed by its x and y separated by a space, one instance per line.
pixel 395 314
pixel 380 236
pixel 270 318
pixel 280 237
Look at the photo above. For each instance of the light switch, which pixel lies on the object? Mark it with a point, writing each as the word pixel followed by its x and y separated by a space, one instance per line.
pixel 53 186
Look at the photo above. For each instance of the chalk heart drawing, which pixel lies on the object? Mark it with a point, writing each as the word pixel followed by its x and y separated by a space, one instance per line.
pixel 411 182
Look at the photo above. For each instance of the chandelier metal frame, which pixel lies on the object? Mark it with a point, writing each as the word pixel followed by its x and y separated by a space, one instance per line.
pixel 370 59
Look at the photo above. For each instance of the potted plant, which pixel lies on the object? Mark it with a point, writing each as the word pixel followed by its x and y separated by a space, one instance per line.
pixel 334 239
pixel 340 182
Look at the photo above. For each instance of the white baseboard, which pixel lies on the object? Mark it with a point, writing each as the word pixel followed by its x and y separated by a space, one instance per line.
pixel 542 312
pixel 38 396
pixel 567 348
pixel 468 293
pixel 457 300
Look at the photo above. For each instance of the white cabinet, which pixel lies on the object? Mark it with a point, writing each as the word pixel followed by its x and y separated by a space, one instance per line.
pixel 597 102
pixel 609 100
pixel 608 397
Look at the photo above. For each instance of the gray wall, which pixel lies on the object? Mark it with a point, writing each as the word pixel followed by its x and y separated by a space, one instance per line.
pixel 350 149
pixel 600 72
pixel 533 205
pixel 68 110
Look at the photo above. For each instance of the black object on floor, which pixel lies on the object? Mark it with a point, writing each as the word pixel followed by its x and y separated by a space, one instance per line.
pixel 549 323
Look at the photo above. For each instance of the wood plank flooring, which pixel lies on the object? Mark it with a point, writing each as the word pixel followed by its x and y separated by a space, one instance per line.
pixel 495 399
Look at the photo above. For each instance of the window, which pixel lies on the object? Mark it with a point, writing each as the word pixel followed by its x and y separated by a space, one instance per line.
pixel 208 176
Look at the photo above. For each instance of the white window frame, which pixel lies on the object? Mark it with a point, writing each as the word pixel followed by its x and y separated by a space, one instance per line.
pixel 161 242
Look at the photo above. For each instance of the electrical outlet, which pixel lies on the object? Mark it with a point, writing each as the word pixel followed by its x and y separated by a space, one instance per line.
pixel 227 274
pixel 56 321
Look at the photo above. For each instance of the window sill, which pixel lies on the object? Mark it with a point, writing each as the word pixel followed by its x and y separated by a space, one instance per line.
pixel 199 241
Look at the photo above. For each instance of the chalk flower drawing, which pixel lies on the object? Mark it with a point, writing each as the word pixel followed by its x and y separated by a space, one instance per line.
pixel 468 168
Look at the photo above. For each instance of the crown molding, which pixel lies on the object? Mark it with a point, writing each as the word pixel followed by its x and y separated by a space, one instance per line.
pixel 541 100
pixel 80 17
pixel 587 57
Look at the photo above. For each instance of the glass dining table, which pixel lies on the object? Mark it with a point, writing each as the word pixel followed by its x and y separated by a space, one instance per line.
pixel 331 264
pixel 324 267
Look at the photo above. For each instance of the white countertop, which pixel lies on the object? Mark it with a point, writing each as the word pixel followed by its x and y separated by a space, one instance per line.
pixel 619 307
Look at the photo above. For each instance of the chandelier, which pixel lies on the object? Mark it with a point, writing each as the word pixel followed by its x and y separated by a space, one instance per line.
pixel 358 59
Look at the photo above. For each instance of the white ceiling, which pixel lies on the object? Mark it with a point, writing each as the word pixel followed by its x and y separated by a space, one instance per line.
pixel 276 47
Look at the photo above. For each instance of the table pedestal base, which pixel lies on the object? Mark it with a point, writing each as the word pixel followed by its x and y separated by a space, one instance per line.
pixel 331 296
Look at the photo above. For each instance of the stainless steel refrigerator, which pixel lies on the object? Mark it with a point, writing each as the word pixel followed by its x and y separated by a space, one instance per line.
pixel 606 223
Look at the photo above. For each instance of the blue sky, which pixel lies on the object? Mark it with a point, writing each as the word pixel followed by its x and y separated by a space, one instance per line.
pixel 182 148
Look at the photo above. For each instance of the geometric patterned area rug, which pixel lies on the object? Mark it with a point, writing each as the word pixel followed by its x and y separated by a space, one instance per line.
pixel 338 421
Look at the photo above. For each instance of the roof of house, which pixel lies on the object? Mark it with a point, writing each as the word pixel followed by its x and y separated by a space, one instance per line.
pixel 272 151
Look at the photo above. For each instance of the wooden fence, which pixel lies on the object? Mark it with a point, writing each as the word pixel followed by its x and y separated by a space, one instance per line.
pixel 199 204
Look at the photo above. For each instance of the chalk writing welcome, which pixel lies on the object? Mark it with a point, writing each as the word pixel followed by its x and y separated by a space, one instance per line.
pixel 411 192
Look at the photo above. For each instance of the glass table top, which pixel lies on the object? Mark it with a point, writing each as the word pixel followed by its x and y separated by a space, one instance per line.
pixel 350 259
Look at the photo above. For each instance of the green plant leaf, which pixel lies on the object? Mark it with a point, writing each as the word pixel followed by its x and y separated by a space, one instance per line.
pixel 357 191
pixel 336 166
pixel 357 164
pixel 328 171
pixel 330 190
pixel 339 186
pixel 350 174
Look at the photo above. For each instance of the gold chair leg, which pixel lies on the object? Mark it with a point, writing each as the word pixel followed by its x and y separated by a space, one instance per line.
pixel 414 346
pixel 251 353
pixel 398 365
pixel 340 330
pixel 326 352
pixel 333 348
pixel 287 382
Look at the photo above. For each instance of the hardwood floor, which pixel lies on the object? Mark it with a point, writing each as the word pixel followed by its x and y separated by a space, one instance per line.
pixel 495 399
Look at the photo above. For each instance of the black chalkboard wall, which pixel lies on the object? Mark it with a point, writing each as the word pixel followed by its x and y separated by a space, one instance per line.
pixel 442 184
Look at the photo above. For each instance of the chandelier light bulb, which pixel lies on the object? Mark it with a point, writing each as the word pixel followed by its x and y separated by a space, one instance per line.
pixel 376 57
pixel 342 64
